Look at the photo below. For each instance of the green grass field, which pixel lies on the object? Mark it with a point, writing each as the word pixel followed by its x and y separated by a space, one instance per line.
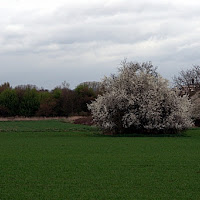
pixel 52 160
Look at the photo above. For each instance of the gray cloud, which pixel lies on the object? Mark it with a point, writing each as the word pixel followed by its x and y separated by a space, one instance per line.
pixel 54 41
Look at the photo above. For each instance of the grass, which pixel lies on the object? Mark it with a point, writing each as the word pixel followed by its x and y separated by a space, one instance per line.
pixel 52 160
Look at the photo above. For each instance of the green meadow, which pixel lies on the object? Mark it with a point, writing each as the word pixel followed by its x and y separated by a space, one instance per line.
pixel 54 160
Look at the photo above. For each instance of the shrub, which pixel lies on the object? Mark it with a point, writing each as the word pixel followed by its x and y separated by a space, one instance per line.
pixel 138 99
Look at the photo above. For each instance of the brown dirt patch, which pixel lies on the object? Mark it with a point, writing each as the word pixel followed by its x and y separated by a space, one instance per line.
pixel 73 119
pixel 30 118
pixel 84 120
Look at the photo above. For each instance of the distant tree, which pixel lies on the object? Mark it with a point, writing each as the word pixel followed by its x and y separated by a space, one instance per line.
pixel 188 80
pixel 56 94
pixel 20 90
pixel 65 85
pixel 83 96
pixel 94 85
pixel 5 86
pixel 28 86
pixel 138 99
pixel 67 102
pixel 29 103
pixel 9 101
pixel 47 104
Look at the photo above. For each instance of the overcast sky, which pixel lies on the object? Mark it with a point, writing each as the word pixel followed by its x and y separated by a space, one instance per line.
pixel 46 42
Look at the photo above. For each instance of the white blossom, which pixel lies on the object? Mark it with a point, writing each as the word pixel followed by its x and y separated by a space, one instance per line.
pixel 139 99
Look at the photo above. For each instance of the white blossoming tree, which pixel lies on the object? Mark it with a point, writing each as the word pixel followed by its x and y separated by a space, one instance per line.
pixel 138 99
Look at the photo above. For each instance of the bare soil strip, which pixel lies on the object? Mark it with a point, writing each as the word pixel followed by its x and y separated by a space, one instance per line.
pixel 30 118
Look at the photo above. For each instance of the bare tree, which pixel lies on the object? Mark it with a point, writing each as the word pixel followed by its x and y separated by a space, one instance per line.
pixel 65 85
pixel 188 81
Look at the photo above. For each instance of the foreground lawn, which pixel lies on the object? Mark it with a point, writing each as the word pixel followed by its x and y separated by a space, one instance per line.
pixel 55 160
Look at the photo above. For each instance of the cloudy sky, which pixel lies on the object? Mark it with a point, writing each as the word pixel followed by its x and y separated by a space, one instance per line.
pixel 46 42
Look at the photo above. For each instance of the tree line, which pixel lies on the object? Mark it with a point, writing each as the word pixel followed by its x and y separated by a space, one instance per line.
pixel 136 99
pixel 29 101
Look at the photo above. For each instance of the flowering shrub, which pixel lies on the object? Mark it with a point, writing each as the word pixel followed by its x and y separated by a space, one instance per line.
pixel 138 99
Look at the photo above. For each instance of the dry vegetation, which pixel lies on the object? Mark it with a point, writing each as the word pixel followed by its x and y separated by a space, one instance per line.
pixel 85 120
